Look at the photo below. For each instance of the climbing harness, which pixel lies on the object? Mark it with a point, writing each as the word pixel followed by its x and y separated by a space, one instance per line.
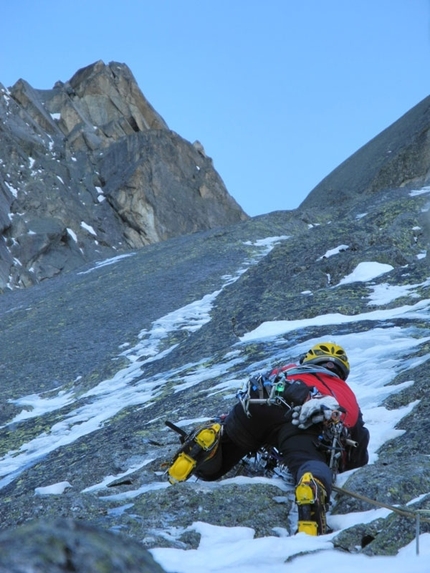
pixel 269 393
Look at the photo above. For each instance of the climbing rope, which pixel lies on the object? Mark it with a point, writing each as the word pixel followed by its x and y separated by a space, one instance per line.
pixel 403 512
pixel 400 511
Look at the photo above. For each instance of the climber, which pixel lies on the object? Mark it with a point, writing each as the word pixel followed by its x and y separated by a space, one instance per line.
pixel 305 397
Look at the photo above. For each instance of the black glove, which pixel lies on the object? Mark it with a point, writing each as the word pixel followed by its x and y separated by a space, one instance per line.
pixel 295 393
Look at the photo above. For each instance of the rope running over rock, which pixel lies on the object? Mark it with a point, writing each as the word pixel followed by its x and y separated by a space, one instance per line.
pixel 403 512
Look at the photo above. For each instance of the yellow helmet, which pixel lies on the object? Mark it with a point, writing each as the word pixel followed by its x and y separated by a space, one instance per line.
pixel 328 353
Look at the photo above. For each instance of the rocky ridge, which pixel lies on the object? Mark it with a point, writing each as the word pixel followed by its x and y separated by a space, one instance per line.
pixel 89 169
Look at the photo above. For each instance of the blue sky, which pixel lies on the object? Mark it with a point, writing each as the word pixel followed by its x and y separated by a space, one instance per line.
pixel 279 92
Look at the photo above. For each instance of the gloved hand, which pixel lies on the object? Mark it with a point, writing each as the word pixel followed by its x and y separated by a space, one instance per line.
pixel 314 411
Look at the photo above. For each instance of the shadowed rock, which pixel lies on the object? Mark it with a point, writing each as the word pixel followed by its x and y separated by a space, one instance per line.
pixel 65 545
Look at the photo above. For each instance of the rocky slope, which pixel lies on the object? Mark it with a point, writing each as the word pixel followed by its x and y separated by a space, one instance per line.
pixel 94 361
pixel 89 169
pixel 397 157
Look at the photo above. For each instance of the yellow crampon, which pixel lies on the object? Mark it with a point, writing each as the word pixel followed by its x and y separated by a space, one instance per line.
pixel 195 450
pixel 310 499
pixel 207 437
pixel 181 468
pixel 308 527
pixel 304 492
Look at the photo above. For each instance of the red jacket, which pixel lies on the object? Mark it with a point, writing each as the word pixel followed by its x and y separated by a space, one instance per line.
pixel 327 384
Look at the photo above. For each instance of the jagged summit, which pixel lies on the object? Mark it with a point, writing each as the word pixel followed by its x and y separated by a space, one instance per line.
pixel 89 169
pixel 104 98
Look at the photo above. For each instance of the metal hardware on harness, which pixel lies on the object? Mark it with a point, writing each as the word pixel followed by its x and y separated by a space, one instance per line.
pixel 334 438
pixel 274 398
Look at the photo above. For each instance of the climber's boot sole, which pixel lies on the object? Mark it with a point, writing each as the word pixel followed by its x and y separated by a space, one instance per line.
pixel 310 499
pixel 200 446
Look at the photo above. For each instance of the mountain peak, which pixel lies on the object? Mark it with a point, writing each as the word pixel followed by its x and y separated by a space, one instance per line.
pixel 95 170
pixel 109 93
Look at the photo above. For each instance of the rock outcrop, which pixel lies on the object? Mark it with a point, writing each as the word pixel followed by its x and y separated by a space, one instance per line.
pixel 89 169
pixel 64 545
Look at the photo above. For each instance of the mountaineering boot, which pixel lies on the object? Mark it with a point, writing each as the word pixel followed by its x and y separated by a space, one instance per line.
pixel 311 499
pixel 198 447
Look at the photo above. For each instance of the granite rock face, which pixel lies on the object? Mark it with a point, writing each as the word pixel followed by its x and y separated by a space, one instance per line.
pixel 89 169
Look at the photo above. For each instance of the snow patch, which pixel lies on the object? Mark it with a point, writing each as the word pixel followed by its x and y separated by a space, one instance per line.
pixel 54 489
